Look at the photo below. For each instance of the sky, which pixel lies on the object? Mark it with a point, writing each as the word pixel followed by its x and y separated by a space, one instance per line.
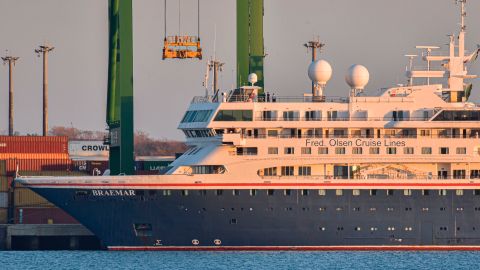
pixel 374 33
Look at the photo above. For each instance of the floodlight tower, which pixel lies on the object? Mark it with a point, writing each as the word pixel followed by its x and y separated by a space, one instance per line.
pixel 44 50
pixel 11 63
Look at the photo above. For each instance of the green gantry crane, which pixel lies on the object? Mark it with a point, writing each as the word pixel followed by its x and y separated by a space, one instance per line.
pixel 120 88
pixel 250 50
pixel 250 54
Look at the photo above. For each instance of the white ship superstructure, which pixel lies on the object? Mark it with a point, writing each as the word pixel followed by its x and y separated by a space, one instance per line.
pixel 418 131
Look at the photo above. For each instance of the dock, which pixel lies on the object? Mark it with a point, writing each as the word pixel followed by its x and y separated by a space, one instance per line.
pixel 47 237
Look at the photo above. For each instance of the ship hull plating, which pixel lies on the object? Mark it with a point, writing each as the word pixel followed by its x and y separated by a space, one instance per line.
pixel 275 219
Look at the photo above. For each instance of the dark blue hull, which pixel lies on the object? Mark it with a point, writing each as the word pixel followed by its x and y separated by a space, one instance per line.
pixel 228 218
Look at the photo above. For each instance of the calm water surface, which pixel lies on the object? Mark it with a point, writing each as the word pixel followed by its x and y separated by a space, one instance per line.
pixel 237 260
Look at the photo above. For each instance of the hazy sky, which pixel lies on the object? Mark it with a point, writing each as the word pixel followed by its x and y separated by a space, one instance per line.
pixel 375 33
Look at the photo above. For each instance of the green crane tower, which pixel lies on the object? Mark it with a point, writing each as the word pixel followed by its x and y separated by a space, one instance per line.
pixel 250 51
pixel 120 88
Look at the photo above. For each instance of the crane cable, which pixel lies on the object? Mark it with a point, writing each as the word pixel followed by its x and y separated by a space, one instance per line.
pixel 165 18
pixel 198 19
pixel 179 18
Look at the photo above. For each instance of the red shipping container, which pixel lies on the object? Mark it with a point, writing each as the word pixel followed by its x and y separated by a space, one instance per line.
pixel 42 215
pixel 38 165
pixel 33 144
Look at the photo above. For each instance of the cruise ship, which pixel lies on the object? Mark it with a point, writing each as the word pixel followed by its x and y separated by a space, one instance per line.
pixel 399 170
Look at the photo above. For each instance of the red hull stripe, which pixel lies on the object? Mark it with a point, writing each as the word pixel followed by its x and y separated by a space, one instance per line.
pixel 183 185
pixel 294 248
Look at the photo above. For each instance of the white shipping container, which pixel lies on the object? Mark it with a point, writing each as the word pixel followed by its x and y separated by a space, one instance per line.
pixel 3 199
pixel 91 150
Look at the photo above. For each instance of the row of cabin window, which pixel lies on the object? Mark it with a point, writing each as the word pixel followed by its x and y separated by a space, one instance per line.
pixel 323 192
pixel 337 209
pixel 388 228
pixel 371 150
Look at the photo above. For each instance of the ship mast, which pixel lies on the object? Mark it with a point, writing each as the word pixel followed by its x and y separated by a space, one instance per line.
pixel 452 66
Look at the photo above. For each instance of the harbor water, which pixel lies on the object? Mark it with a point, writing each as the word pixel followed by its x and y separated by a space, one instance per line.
pixel 237 260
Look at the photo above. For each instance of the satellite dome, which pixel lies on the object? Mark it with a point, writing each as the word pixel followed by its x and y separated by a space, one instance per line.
pixel 252 78
pixel 357 76
pixel 320 71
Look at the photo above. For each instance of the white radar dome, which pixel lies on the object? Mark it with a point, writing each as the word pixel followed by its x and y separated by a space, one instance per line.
pixel 320 71
pixel 357 76
pixel 252 78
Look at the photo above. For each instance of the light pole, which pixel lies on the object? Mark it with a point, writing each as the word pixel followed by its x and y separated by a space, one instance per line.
pixel 44 50
pixel 11 63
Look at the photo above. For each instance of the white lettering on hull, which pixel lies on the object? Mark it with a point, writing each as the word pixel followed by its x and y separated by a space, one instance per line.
pixel 113 192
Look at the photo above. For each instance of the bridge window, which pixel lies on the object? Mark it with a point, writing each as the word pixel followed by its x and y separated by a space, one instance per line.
pixel 289 150
pixel 458 116
pixel 234 115
pixel 461 150
pixel 196 116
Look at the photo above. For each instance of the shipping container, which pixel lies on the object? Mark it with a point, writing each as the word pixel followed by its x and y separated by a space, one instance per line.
pixel 42 215
pixel 24 197
pixel 38 165
pixel 97 167
pixel 3 199
pixel 4 184
pixel 33 144
pixel 3 215
pixel 155 165
pixel 88 150
pixel 34 156
pixel 3 167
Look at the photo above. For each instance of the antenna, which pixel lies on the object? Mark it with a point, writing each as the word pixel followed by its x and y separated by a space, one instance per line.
pixel 463 14
pixel 410 64
pixel 314 45
pixel 428 51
